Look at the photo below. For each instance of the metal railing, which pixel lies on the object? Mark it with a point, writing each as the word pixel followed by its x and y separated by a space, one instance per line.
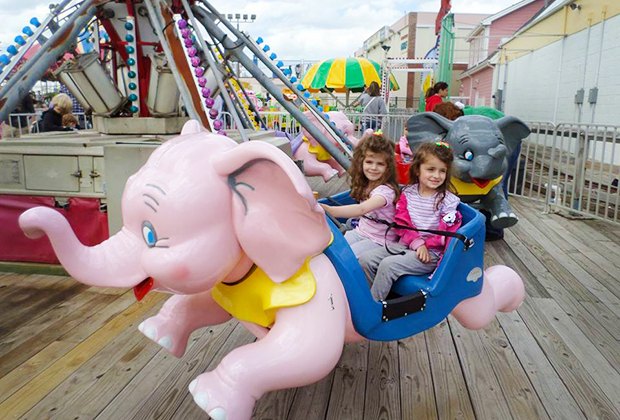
pixel 27 123
pixel 568 166
pixel 573 167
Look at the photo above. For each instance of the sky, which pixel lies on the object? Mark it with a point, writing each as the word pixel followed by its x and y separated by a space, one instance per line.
pixel 294 29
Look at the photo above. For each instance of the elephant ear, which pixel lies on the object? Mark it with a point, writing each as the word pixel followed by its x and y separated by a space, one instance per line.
pixel 514 131
pixel 276 218
pixel 425 127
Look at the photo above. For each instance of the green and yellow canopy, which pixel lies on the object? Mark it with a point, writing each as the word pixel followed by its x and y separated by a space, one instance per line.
pixel 344 74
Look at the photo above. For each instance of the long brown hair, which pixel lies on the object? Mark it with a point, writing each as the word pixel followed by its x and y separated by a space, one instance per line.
pixel 375 143
pixel 421 154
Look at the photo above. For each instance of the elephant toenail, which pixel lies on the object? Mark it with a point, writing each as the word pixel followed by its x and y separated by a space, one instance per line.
pixel 192 385
pixel 202 400
pixel 150 332
pixel 494 218
pixel 503 214
pixel 217 414
pixel 166 343
pixel 141 327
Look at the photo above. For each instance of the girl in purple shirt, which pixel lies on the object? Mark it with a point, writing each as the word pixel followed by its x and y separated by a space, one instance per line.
pixel 373 184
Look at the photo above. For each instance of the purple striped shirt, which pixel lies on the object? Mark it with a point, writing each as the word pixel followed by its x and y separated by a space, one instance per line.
pixel 422 210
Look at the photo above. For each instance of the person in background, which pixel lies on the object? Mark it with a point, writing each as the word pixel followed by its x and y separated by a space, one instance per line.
pixel 16 125
pixel 373 106
pixel 52 118
pixel 435 95
pixel 69 120
pixel 449 110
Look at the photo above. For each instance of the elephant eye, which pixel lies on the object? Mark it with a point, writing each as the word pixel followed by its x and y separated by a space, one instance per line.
pixel 468 155
pixel 149 234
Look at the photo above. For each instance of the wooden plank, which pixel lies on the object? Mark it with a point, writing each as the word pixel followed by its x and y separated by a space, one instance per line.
pixel 45 321
pixel 453 401
pixel 602 372
pixel 349 383
pixel 586 392
pixel 498 252
pixel 517 389
pixel 417 399
pixel 608 320
pixel 102 375
pixel 30 339
pixel 605 229
pixel 382 382
pixel 570 269
pixel 484 390
pixel 33 391
pixel 161 386
pixel 29 369
pixel 592 326
pixel 550 389
pixel 311 401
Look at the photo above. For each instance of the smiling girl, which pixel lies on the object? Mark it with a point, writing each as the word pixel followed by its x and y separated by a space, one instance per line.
pixel 373 184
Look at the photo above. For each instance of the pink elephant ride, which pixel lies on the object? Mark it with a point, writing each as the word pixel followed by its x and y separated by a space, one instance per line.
pixel 317 161
pixel 234 231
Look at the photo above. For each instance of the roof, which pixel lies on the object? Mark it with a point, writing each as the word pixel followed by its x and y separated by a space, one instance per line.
pixel 498 15
pixel 544 14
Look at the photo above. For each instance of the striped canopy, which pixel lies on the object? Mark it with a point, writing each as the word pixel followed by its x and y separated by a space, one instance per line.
pixel 344 74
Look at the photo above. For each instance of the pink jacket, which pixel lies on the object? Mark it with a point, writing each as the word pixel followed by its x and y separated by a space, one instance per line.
pixel 450 222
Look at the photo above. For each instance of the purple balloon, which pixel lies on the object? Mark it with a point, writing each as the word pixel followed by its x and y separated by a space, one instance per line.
pixel 202 81
pixel 199 71
pixel 213 113
pixel 217 124
pixel 195 61
pixel 185 33
pixel 192 51
pixel 206 92
pixel 209 102
pixel 188 42
pixel 182 24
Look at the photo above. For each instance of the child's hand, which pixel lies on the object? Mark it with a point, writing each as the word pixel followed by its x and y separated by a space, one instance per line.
pixel 423 255
pixel 325 207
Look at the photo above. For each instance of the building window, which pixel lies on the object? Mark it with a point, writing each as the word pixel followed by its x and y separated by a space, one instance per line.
pixel 403 45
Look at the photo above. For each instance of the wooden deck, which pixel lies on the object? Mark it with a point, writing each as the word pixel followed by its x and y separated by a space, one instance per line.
pixel 68 351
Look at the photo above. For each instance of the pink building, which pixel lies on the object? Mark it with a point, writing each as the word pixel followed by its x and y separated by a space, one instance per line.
pixel 477 81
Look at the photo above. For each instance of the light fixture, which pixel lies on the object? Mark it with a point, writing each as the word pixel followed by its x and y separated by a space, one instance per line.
pixel 385 47
pixel 245 17
pixel 237 15
pixel 253 17
pixel 574 6
pixel 229 16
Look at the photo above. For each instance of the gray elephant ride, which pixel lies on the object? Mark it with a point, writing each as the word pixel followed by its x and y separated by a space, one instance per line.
pixel 485 153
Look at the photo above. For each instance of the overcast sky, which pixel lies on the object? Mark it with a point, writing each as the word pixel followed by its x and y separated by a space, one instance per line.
pixel 295 29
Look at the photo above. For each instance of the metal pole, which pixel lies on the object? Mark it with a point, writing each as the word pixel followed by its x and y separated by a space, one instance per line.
pixel 260 77
pixel 155 18
pixel 216 71
pixel 259 54
pixel 35 68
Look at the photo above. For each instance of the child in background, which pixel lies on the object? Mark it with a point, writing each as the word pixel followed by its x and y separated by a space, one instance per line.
pixel 426 203
pixel 69 121
pixel 435 95
pixel 373 184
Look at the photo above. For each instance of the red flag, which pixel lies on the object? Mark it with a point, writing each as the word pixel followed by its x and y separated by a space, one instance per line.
pixel 443 10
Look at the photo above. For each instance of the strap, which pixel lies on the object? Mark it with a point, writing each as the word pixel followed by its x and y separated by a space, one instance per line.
pixel 369 102
pixel 468 242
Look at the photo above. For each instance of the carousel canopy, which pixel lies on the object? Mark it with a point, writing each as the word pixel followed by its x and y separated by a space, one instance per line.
pixel 344 74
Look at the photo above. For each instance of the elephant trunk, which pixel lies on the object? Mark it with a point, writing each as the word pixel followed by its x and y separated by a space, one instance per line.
pixel 113 263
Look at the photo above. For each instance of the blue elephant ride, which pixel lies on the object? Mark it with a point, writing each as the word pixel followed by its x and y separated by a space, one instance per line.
pixel 420 302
